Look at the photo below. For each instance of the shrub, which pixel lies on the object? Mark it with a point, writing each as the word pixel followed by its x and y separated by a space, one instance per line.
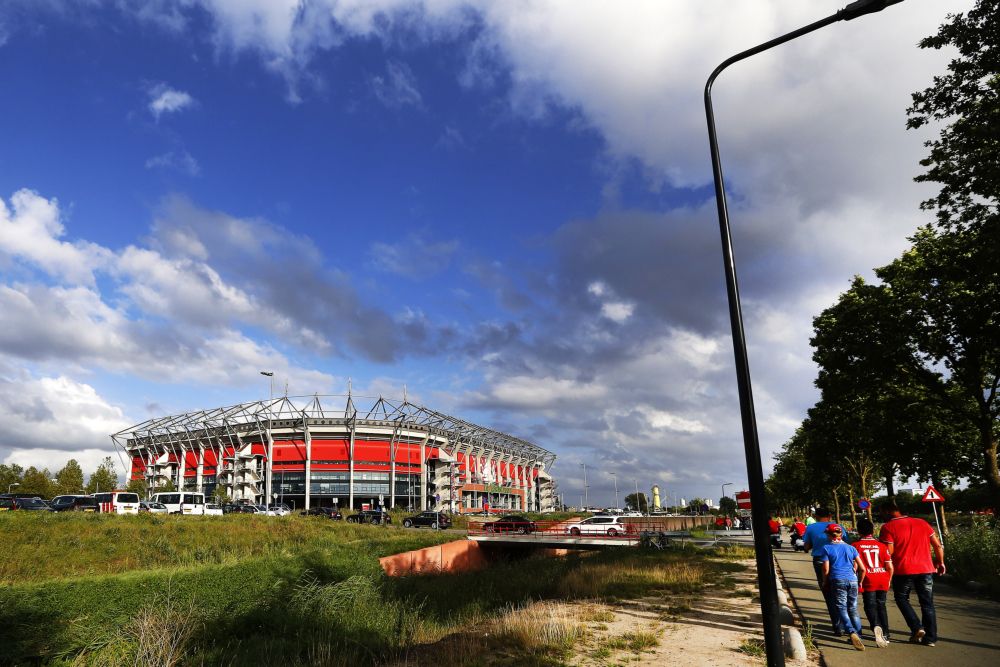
pixel 973 554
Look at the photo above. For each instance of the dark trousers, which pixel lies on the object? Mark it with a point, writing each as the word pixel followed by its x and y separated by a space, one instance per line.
pixel 828 595
pixel 874 602
pixel 923 584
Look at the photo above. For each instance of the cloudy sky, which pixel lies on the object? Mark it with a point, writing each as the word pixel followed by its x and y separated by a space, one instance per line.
pixel 505 207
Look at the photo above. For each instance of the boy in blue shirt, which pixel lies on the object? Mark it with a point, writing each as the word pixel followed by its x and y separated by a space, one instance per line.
pixel 842 572
pixel 814 539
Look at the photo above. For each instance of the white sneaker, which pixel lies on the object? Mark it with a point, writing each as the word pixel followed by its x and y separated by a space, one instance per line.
pixel 880 639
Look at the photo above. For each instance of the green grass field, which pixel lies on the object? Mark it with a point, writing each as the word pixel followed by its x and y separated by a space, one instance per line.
pixel 248 590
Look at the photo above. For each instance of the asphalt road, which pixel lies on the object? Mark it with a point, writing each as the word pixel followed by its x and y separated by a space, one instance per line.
pixel 968 625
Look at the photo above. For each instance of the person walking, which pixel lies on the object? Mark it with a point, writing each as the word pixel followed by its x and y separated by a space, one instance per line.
pixel 843 571
pixel 814 540
pixel 910 542
pixel 875 587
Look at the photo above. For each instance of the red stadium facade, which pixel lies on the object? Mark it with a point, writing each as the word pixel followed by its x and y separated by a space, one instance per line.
pixel 322 451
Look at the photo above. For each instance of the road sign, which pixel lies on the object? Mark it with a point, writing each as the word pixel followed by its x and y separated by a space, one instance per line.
pixel 381 499
pixel 704 508
pixel 743 500
pixel 931 495
pixel 864 504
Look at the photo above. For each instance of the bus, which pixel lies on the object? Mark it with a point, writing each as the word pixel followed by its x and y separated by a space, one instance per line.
pixel 181 503
pixel 117 502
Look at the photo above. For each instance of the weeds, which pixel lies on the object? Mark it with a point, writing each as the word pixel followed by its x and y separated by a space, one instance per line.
pixel 807 637
pixel 636 642
pixel 539 627
pixel 752 647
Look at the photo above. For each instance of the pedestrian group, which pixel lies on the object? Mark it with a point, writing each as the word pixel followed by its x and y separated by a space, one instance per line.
pixel 900 557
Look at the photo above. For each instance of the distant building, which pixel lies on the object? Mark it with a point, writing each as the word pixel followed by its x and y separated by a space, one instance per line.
pixel 308 452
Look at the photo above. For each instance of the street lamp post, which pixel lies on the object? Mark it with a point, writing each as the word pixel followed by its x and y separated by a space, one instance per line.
pixel 615 477
pixel 586 487
pixel 724 492
pixel 765 565
pixel 637 503
pixel 11 486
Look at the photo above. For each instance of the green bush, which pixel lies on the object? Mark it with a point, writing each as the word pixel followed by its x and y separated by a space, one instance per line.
pixel 973 554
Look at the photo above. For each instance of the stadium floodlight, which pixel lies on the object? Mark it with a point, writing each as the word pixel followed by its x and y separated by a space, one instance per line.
pixel 765 563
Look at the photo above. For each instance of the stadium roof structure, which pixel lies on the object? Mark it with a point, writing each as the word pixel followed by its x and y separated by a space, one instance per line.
pixel 257 416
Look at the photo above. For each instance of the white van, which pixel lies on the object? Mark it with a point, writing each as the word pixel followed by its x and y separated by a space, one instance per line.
pixel 181 503
pixel 117 502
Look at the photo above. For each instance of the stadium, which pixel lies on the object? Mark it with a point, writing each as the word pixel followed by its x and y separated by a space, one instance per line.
pixel 327 450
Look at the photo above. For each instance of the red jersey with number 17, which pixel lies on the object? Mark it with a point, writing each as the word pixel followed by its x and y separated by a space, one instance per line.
pixel 874 555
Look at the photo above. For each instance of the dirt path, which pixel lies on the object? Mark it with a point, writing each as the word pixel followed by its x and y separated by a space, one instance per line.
pixel 706 628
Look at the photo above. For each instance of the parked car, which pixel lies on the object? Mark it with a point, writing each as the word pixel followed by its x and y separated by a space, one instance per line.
pixel 251 509
pixel 370 516
pixel 117 502
pixel 211 509
pixel 511 523
pixel 181 503
pixel 433 520
pixel 328 512
pixel 151 507
pixel 30 505
pixel 74 504
pixel 278 510
pixel 611 526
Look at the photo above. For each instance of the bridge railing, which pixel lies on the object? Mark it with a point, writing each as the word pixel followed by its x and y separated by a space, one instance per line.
pixel 623 531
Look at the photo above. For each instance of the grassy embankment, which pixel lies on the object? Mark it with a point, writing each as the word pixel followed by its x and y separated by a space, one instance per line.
pixel 105 590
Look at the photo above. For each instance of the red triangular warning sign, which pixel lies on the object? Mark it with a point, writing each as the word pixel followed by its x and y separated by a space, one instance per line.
pixel 931 495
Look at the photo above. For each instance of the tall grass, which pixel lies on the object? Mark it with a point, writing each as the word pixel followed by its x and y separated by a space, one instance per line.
pixel 973 553
pixel 299 592
pixel 40 546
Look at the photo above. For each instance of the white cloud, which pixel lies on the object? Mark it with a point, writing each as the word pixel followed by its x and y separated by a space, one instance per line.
pixel 31 232
pixel 166 100
pixel 54 413
pixel 398 88
pixel 181 161
pixel 617 311
pixel 414 257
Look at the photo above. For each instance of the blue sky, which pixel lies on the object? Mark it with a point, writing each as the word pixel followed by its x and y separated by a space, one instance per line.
pixel 505 207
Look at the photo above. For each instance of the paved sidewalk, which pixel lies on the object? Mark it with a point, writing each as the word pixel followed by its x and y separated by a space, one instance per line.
pixel 968 626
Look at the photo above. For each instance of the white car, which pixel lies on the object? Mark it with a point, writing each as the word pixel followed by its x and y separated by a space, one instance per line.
pixel 151 507
pixel 213 510
pixel 612 526
pixel 634 514
pixel 278 510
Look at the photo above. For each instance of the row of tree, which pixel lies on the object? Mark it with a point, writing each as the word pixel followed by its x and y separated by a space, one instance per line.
pixel 68 480
pixel 909 365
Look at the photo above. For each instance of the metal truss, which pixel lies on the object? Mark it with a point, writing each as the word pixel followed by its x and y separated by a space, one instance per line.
pixel 230 424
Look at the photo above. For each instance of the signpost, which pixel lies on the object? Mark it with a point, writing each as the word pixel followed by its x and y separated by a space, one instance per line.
pixel 932 496
pixel 864 504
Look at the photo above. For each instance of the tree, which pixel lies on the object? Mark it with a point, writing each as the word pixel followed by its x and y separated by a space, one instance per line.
pixel 10 474
pixel 70 478
pixel 138 487
pixel 965 158
pixel 37 482
pixel 727 505
pixel 105 478
pixel 951 278
pixel 220 495
pixel 637 502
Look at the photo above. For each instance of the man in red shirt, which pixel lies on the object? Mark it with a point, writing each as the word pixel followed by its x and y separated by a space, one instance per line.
pixel 910 542
pixel 875 585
